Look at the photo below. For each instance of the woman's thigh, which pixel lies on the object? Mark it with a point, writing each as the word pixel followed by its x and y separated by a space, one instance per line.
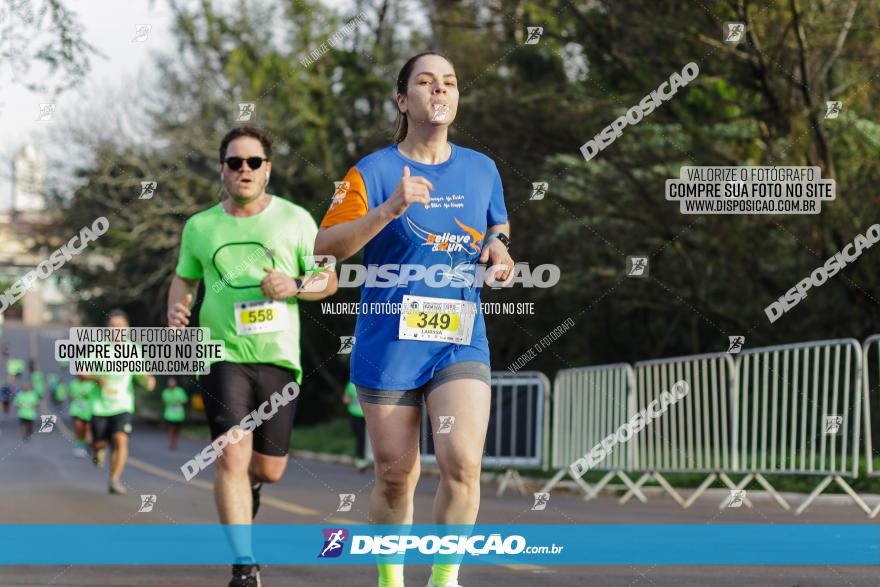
pixel 394 436
pixel 459 414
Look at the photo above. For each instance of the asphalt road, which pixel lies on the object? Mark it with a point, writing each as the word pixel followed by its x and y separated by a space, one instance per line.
pixel 42 482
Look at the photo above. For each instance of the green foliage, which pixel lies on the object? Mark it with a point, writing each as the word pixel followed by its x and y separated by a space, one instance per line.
pixel 528 108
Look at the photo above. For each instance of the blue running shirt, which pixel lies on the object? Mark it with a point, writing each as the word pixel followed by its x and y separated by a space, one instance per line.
pixel 466 200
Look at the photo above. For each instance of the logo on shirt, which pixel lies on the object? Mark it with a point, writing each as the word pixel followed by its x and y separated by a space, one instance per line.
pixel 460 247
pixel 342 188
pixel 467 242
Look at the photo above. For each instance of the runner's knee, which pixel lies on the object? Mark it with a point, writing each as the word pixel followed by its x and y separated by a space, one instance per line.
pixel 460 470
pixel 235 458
pixel 395 482
pixel 269 472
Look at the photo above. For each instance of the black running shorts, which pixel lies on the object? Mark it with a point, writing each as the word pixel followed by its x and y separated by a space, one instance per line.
pixel 104 427
pixel 231 391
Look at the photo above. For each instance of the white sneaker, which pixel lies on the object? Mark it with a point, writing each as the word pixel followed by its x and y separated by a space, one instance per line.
pixel 432 584
pixel 80 452
pixel 117 487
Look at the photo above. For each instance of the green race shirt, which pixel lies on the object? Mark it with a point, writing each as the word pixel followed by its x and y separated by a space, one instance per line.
pixel 38 382
pixel 26 402
pixel 14 366
pixel 60 391
pixel 116 396
pixel 354 408
pixel 175 399
pixel 80 398
pixel 231 254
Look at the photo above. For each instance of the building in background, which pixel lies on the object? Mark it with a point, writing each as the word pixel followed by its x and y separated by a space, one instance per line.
pixel 29 180
pixel 24 212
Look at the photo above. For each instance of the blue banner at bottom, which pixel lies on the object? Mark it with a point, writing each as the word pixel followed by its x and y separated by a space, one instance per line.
pixel 544 544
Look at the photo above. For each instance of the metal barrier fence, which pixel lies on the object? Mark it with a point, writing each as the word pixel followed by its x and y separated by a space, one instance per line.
pixel 589 403
pixel 800 409
pixel 696 434
pixel 799 412
pixel 782 410
pixel 871 424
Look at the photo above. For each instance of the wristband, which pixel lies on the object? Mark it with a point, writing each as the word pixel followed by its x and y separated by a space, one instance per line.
pixel 299 284
pixel 505 240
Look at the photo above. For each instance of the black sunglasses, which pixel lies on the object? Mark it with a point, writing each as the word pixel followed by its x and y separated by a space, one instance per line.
pixel 234 163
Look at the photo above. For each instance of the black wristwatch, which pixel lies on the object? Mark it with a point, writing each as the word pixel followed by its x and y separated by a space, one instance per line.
pixel 299 284
pixel 505 240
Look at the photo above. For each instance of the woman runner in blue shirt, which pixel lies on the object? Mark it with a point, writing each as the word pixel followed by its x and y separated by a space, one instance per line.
pixel 432 210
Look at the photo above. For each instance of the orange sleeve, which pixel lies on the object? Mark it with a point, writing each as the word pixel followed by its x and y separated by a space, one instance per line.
pixel 349 201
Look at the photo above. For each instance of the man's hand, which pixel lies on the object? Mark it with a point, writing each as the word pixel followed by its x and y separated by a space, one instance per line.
pixel 178 314
pixel 496 253
pixel 409 191
pixel 277 286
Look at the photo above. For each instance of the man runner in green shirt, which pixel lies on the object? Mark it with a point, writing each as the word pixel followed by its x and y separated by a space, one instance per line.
pixel 14 366
pixel 112 405
pixel 251 250
pixel 81 412
pixel 38 382
pixel 26 401
pixel 57 388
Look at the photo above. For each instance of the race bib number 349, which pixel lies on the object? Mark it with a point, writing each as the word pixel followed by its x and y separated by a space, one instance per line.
pixel 436 320
pixel 260 316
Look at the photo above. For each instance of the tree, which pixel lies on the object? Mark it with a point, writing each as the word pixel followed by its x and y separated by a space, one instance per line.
pixel 530 107
pixel 42 46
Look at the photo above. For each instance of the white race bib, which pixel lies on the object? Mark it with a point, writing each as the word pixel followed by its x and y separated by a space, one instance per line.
pixel 436 320
pixel 261 316
pixel 110 392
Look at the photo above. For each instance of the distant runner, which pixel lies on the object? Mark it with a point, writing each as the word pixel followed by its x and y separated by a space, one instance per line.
pixel 112 406
pixel 175 399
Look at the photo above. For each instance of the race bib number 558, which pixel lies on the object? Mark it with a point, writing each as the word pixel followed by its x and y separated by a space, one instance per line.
pixel 260 316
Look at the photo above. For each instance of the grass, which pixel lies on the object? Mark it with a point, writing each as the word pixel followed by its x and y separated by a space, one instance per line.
pixel 333 436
